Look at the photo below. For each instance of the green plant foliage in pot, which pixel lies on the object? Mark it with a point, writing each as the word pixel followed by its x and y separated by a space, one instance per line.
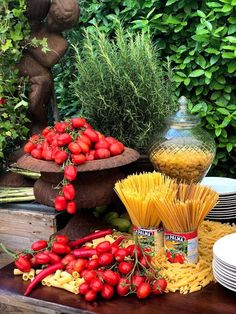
pixel 122 87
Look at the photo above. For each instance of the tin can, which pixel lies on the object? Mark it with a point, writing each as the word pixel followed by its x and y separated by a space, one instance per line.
pixel 181 247
pixel 150 239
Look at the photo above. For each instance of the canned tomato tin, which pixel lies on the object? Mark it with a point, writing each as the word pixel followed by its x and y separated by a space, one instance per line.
pixel 181 247
pixel 150 239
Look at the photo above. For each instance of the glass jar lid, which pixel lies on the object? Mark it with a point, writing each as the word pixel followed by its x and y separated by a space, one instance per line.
pixel 182 117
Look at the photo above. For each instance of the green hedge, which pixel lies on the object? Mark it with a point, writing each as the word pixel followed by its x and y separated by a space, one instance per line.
pixel 199 37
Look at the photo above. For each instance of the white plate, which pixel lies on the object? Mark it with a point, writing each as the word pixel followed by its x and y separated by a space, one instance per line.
pixel 224 270
pixel 223 283
pixel 225 249
pixel 220 218
pixel 223 212
pixel 223 186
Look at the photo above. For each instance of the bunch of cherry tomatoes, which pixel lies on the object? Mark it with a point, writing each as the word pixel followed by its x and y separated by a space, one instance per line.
pixel 69 144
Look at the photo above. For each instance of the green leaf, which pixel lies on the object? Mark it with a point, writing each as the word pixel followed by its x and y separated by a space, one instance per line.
pixel 201 61
pixel 223 111
pixel 232 67
pixel 187 81
pixel 233 2
pixel 231 39
pixel 229 147
pixel 169 2
pixel 213 5
pixel 212 50
pixel 215 95
pixel 196 108
pixel 196 73
pixel 218 132
pixel 232 20
pixel 227 8
pixel 208 74
pixel 228 55
pixel 201 13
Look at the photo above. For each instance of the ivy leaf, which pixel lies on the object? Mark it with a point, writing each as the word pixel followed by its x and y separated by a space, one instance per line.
pixel 196 73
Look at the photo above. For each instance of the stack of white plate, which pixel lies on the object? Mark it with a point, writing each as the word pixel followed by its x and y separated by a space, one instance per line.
pixel 224 261
pixel 226 206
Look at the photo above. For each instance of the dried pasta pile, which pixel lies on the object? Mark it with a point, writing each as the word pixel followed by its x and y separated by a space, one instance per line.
pixel 187 278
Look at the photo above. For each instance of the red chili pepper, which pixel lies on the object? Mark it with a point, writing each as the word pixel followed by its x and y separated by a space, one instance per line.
pixel 84 253
pixel 89 237
pixel 44 273
pixel 118 240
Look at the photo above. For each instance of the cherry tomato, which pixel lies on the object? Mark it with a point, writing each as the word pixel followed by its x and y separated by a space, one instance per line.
pixel 111 140
pixel 70 172
pixel 116 149
pixel 145 261
pixel 67 259
pixel 64 139
pixel 179 258
pixel 137 280
pixel 42 258
pixel 134 250
pixel 125 267
pixel 39 245
pixel 80 264
pixel 78 122
pixel 36 153
pixel 89 275
pixel 60 203
pixel 102 143
pixel 46 130
pixel 68 191
pixel 114 248
pixel 78 159
pixel 47 154
pixel 105 259
pixel 60 156
pixel 61 238
pixel 123 287
pixel 107 292
pixel 60 127
pixel 111 277
pixel 83 146
pixel 92 264
pixel 120 254
pixel 170 256
pixel 102 153
pixel 103 247
pixel 96 284
pixel 144 290
pixel 60 248
pixel 90 295
pixel 100 135
pixel 54 258
pixel 74 148
pixel 84 138
pixel 71 207
pixel 84 288
pixel 159 286
pixel 29 146
pixel 89 157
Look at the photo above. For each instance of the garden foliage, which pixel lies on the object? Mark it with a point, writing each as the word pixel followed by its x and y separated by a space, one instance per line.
pixel 199 37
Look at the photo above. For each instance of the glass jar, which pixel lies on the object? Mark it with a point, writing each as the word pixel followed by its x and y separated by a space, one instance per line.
pixel 183 150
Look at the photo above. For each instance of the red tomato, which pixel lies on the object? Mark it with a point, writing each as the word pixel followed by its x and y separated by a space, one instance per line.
pixel 103 247
pixel 67 259
pixel 125 267
pixel 96 285
pixel 102 153
pixel 134 250
pixel 80 264
pixel 137 280
pixel 83 146
pixel 74 148
pixel 123 287
pixel 159 286
pixel 42 258
pixel 36 153
pixel 47 154
pixel 116 149
pixel 61 238
pixel 89 157
pixel 93 264
pixel 70 172
pixel 39 245
pixel 60 203
pixel 78 159
pixel 91 134
pixel 111 140
pixel 54 258
pixel 111 277
pixel 169 256
pixel 100 135
pixel 90 295
pixel 68 191
pixel 46 130
pixel 78 122
pixel 84 138
pixel 107 292
pixel 60 127
pixel 120 254
pixel 60 248
pixel 84 288
pixel 89 275
pixel 64 139
pixel 105 259
pixel 71 207
pixel 145 261
pixel 179 258
pixel 88 126
pixel 102 144
pixel 144 290
pixel 114 248
pixel 60 157
pixel 29 146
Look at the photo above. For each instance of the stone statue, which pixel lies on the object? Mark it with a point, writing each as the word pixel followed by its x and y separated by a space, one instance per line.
pixel 47 19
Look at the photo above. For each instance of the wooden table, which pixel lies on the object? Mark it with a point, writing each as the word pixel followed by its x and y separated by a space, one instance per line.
pixel 210 300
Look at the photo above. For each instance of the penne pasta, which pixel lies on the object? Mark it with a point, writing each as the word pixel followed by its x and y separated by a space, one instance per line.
pixel 16 272
pixel 65 279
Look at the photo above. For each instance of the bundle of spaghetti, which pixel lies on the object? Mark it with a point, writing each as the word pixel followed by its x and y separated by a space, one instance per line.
pixel 188 209
pixel 138 193
pixel 187 278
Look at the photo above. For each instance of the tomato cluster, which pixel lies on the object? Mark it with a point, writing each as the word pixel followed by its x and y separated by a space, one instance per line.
pixel 69 144
pixel 174 257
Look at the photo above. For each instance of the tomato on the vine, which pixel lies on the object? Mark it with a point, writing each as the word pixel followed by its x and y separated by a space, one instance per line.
pixel 39 245
pixel 68 191
pixel 159 286
pixel 71 207
pixel 144 290
pixel 111 277
pixel 107 291
pixel 105 259
pixel 96 284
pixel 125 267
pixel 70 172
pixel 103 247
pixel 84 288
pixel 90 295
pixel 60 203
pixel 120 254
pixel 92 264
pixel 123 287
pixel 78 122
pixel 29 146
pixel 74 148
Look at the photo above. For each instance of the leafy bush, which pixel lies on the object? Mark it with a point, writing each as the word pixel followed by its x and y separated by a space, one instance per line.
pixel 13 30
pixel 121 86
pixel 199 37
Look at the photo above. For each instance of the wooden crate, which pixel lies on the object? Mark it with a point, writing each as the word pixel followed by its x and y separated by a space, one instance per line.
pixel 22 224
